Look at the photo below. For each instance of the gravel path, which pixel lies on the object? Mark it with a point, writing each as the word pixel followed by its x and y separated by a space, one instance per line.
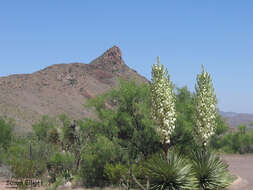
pixel 242 166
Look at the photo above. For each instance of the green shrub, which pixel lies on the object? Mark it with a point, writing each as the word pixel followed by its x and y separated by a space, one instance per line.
pixel 227 149
pixel 173 173
pixel 61 164
pixel 23 168
pixel 116 172
pixel 28 159
pixel 42 127
pixel 210 171
pixel 53 136
pixel 94 159
pixel 6 128
pixel 128 118
pixel 58 182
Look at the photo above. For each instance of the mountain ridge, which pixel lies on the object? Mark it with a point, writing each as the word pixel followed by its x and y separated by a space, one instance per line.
pixel 234 119
pixel 62 88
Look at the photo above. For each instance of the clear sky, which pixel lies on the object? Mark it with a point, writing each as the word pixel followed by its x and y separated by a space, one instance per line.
pixel 184 33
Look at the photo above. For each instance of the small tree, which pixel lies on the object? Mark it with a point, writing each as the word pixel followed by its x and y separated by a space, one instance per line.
pixel 6 133
pixel 42 127
pixel 205 108
pixel 163 103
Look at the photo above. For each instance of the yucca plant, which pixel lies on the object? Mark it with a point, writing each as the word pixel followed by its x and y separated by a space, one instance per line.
pixel 175 173
pixel 211 172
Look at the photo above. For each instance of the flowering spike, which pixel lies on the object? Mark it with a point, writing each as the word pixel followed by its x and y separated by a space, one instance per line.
pixel 163 101
pixel 205 110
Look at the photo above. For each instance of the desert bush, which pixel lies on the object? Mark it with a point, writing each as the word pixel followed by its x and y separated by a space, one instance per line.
pixel 128 174
pixel 210 171
pixel 94 159
pixel 53 136
pixel 28 152
pixel 116 172
pixel 23 168
pixel 6 128
pixel 125 114
pixel 173 173
pixel 61 164
pixel 56 185
pixel 182 137
pixel 22 165
pixel 42 127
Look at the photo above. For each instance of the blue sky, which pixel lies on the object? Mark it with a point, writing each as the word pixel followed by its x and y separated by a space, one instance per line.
pixel 184 33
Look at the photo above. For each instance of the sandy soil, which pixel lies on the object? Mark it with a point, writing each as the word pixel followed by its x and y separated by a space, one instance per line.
pixel 242 166
pixel 2 184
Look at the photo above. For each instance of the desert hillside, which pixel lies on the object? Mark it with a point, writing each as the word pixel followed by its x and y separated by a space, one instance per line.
pixel 62 88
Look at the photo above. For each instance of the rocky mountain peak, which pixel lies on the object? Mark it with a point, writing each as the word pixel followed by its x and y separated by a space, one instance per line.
pixel 110 56
pixel 113 52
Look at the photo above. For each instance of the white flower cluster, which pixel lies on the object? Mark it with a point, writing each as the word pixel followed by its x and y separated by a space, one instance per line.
pixel 163 101
pixel 205 107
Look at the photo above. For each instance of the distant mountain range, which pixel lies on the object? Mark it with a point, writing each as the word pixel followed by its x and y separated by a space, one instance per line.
pixel 234 119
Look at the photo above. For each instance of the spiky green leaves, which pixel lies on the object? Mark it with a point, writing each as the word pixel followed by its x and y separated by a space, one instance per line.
pixel 171 174
pixel 205 110
pixel 210 171
pixel 163 101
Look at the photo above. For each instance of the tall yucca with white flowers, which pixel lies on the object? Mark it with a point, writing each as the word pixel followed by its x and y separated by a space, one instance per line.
pixel 163 102
pixel 205 110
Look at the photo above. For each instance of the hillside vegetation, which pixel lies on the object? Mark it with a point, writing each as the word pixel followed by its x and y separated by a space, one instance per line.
pixel 120 147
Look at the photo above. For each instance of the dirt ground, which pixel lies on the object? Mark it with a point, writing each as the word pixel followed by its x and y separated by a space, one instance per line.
pixel 241 166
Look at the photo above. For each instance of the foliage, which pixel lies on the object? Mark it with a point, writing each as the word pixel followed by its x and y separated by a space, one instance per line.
pixel 53 136
pixel 58 182
pixel 124 114
pixel 42 127
pixel 94 159
pixel 221 126
pixel 69 136
pixel 116 172
pixel 221 131
pixel 27 157
pixel 61 164
pixel 205 111
pixel 239 141
pixel 100 151
pixel 170 174
pixel 210 171
pixel 182 137
pixel 23 169
pixel 6 134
